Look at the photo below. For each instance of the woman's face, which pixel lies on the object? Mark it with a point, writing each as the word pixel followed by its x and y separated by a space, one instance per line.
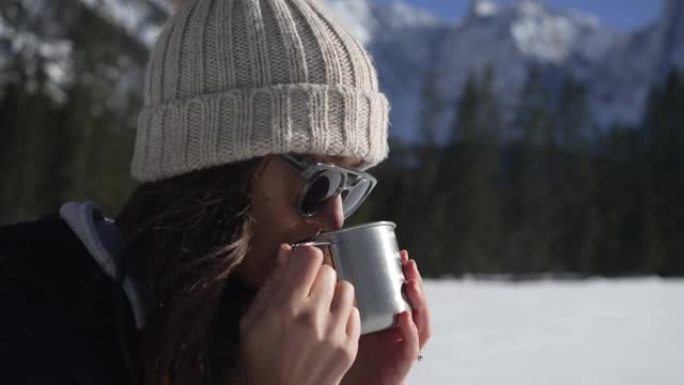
pixel 275 191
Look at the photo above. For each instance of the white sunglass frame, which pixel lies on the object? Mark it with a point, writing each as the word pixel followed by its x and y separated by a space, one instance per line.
pixel 350 179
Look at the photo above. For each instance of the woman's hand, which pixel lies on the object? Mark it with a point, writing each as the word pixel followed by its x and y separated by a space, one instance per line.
pixel 302 327
pixel 386 357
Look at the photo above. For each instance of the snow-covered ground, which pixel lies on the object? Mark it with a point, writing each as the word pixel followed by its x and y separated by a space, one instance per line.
pixel 597 332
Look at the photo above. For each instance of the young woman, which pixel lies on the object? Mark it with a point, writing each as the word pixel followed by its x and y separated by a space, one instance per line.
pixel 196 281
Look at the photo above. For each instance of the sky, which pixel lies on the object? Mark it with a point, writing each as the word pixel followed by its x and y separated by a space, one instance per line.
pixel 623 15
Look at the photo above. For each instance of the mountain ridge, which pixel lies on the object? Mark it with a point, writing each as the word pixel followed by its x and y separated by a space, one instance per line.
pixel 530 35
pixel 417 51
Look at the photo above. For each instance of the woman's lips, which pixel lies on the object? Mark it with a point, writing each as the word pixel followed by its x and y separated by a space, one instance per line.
pixel 310 238
pixel 303 240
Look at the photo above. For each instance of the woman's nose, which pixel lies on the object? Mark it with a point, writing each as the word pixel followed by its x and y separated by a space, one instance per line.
pixel 331 216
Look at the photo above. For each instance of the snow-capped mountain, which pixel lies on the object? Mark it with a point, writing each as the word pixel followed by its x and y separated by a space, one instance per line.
pixel 506 40
pixel 672 36
pixel 139 18
pixel 510 41
pixel 35 52
pixel 617 68
pixel 404 52
pixel 356 16
pixel 416 51
pixel 635 63
pixel 100 44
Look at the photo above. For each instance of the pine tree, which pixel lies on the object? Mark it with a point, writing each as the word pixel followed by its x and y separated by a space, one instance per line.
pixel 34 150
pixel 429 218
pixel 578 218
pixel 665 158
pixel 470 169
pixel 531 205
pixel 77 147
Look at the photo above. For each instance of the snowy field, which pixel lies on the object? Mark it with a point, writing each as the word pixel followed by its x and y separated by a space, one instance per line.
pixel 594 332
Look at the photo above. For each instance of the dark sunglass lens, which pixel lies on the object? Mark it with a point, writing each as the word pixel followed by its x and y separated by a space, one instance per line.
pixel 323 187
pixel 352 198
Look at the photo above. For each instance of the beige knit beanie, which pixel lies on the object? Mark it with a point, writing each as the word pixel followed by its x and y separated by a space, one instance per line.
pixel 230 80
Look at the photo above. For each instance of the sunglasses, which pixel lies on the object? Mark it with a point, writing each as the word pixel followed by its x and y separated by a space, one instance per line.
pixel 323 182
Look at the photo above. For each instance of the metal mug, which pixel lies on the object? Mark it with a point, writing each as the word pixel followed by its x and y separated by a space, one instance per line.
pixel 367 255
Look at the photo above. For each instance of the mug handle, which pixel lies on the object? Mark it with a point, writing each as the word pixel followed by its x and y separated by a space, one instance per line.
pixel 327 254
pixel 312 243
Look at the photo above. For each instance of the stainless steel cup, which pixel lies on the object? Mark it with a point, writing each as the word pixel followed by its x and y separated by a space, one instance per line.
pixel 368 256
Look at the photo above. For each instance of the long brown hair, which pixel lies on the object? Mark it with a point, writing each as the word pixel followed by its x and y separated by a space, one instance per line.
pixel 187 234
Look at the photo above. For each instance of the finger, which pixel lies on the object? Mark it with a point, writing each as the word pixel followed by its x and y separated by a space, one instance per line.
pixel 300 273
pixel 266 292
pixel 409 333
pixel 404 256
pixel 353 328
pixel 323 288
pixel 342 303
pixel 415 294
pixel 421 312
pixel 411 274
pixel 411 271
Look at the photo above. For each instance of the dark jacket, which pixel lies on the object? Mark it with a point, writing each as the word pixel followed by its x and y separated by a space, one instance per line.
pixel 62 319
pixel 69 314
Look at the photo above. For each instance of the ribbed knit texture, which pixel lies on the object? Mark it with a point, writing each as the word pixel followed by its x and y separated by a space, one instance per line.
pixel 230 80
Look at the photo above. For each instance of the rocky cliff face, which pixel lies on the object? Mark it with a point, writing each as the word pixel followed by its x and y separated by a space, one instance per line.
pixel 617 68
pixel 509 41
